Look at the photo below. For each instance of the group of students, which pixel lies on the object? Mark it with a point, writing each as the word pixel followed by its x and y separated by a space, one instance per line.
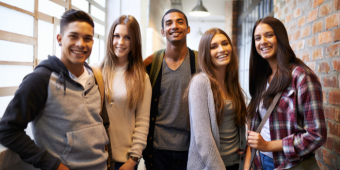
pixel 178 109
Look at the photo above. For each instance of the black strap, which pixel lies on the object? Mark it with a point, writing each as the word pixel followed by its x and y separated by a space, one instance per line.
pixel 264 120
pixel 192 61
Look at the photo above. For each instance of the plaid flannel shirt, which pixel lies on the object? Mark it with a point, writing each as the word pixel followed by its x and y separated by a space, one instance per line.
pixel 298 120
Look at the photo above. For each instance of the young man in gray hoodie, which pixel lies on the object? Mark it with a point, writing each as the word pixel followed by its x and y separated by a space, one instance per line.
pixel 62 100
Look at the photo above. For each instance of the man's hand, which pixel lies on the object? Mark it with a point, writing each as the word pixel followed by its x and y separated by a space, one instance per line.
pixel 62 167
pixel 129 165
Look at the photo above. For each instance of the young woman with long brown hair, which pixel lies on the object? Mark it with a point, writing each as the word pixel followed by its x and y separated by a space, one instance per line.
pixel 296 126
pixel 128 92
pixel 216 106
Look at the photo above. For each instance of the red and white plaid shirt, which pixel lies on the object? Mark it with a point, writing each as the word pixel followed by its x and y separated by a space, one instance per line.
pixel 298 120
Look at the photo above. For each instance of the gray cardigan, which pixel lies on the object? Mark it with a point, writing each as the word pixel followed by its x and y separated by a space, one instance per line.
pixel 205 140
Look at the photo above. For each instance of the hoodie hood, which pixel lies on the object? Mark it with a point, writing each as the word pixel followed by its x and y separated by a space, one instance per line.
pixel 55 65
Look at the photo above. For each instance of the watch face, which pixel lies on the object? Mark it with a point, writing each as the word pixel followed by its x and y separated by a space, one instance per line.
pixel 134 159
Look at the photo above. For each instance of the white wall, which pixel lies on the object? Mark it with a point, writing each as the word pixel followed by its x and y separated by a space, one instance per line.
pixel 137 8
pixel 194 38
pixel 155 39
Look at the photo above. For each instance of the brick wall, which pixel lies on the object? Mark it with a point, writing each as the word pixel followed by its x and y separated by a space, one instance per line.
pixel 314 32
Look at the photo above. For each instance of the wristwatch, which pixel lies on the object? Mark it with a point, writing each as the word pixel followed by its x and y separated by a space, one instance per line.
pixel 135 159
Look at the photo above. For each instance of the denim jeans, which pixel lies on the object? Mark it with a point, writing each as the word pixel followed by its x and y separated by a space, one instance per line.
pixel 170 160
pixel 267 162
pixel 119 164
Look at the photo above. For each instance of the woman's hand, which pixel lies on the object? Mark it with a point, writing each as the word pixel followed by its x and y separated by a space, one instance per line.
pixel 129 165
pixel 256 141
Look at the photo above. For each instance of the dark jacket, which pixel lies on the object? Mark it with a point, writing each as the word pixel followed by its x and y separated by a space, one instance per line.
pixel 148 151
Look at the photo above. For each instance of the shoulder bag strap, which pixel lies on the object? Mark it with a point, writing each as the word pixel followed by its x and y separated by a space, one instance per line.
pixel 100 82
pixel 156 64
pixel 264 120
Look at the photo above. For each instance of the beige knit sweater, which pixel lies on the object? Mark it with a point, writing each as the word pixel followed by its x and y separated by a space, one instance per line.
pixel 128 128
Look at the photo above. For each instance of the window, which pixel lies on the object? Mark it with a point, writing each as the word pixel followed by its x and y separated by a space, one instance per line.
pixel 253 13
pixel 23 49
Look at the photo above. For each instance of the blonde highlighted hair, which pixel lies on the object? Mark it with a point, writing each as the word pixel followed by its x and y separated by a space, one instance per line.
pixel 135 73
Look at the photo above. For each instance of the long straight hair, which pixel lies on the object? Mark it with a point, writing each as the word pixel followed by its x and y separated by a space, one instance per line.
pixel 135 72
pixel 259 69
pixel 231 80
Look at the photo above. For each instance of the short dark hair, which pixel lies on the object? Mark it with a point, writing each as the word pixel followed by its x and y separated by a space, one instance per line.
pixel 174 10
pixel 72 16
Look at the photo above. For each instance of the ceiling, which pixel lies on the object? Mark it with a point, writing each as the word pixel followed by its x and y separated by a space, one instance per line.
pixel 215 7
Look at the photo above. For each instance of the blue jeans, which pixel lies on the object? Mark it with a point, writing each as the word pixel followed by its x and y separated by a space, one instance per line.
pixel 267 162
pixel 170 160
pixel 119 164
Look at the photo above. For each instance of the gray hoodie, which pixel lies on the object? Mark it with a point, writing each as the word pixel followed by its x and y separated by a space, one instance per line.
pixel 66 120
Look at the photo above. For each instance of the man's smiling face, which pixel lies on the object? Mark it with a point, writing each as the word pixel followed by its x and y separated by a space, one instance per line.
pixel 76 43
pixel 175 27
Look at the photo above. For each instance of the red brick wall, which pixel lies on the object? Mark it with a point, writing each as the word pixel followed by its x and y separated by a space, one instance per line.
pixel 314 32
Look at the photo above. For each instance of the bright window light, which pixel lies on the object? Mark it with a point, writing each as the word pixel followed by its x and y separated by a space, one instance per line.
pixel 99 29
pixel 12 75
pixel 45 39
pixel 81 4
pixel 22 20
pixel 99 14
pixel 51 8
pixel 12 51
pixel 101 2
pixel 94 57
pixel 27 5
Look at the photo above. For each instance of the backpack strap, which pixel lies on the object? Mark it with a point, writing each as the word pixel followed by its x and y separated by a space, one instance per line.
pixel 193 61
pixel 100 82
pixel 196 59
pixel 156 64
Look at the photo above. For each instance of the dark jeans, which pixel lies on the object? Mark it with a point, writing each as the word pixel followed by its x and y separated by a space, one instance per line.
pixel 119 164
pixel 267 162
pixel 169 160
pixel 232 167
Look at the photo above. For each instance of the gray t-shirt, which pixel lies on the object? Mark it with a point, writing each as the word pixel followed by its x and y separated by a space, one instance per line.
pixel 172 122
pixel 229 138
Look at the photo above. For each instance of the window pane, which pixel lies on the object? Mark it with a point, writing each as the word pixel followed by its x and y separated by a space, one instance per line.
pixel 99 29
pixel 12 51
pixel 23 4
pixel 102 50
pixel 101 2
pixel 4 101
pixel 7 16
pixel 94 57
pixel 81 4
pixel 45 39
pixel 50 8
pixel 12 75
pixel 99 14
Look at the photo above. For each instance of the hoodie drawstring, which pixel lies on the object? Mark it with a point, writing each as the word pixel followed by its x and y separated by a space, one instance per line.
pixel 61 80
